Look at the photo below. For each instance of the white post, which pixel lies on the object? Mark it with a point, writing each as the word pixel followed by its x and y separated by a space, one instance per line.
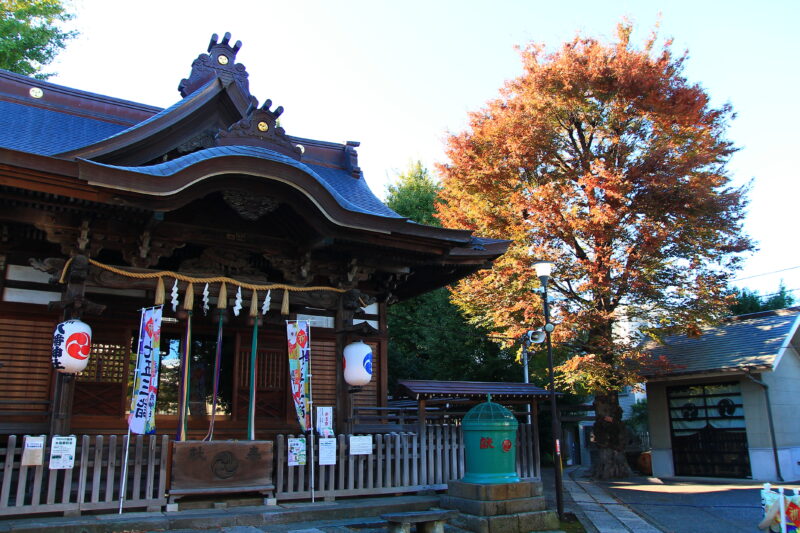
pixel 782 510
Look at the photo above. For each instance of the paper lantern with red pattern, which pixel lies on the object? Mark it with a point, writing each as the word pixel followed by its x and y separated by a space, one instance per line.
pixel 72 342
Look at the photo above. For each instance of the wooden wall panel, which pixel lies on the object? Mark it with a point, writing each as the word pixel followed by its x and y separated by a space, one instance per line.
pixel 26 371
pixel 323 370
pixel 272 376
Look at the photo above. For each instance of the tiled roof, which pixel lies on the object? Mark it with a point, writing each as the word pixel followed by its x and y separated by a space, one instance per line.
pixel 745 341
pixel 46 131
pixel 351 193
pixel 474 389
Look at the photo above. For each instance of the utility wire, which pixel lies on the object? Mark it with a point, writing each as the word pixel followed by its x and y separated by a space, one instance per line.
pixel 766 273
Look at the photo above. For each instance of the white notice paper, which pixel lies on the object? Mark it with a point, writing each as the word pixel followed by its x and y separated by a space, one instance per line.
pixel 33 452
pixel 360 445
pixel 62 453
pixel 327 451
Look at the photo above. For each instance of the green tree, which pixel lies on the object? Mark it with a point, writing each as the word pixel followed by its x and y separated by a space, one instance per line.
pixel 31 34
pixel 429 337
pixel 414 195
pixel 748 301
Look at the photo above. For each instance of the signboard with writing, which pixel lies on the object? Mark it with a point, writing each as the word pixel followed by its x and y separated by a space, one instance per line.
pixel 221 464
pixel 62 453
pixel 327 451
pixel 33 451
pixel 325 421
pixel 360 444
pixel 296 449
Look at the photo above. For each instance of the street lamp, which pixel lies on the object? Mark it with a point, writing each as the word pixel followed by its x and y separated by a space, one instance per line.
pixel 543 270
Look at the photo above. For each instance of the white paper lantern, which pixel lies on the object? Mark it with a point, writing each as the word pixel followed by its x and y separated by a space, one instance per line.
pixel 357 364
pixel 72 342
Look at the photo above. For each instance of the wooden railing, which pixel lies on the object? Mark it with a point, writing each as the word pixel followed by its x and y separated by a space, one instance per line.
pixel 94 481
pixel 399 462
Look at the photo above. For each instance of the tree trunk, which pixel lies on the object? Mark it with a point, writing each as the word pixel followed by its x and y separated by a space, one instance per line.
pixel 610 436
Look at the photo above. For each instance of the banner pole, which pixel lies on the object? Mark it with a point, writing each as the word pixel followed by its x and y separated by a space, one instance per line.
pixel 124 477
pixel 183 384
pixel 217 363
pixel 124 481
pixel 251 414
pixel 311 411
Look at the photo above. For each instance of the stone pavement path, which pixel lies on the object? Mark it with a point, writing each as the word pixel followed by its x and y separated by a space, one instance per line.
pixel 605 512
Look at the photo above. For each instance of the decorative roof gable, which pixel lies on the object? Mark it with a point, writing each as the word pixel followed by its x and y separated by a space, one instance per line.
pixel 219 62
pixel 261 128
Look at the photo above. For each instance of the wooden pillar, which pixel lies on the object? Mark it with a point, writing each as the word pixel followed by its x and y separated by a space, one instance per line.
pixel 74 305
pixel 423 441
pixel 343 410
pixel 383 384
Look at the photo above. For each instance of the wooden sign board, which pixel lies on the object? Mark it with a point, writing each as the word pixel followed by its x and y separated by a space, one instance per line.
pixel 199 466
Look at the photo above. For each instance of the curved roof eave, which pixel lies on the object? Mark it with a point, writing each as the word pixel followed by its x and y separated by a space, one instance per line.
pixel 160 123
pixel 173 177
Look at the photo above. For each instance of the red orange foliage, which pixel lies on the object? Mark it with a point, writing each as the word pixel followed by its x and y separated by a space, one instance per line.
pixel 604 159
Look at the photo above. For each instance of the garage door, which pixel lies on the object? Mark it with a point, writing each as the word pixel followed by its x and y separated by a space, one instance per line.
pixel 708 430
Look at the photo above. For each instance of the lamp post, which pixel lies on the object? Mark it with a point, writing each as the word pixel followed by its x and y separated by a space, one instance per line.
pixel 543 270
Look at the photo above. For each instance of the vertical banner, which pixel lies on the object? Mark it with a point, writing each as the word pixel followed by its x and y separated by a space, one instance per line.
pixel 145 384
pixel 298 336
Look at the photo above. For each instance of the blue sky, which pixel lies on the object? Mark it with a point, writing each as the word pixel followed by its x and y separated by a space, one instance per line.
pixel 398 76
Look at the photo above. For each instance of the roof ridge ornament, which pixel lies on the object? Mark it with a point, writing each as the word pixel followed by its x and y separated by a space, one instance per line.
pixel 351 159
pixel 261 128
pixel 220 61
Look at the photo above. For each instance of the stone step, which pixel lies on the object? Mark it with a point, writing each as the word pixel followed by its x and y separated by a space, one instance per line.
pixel 512 523
pixel 493 507
pixel 500 491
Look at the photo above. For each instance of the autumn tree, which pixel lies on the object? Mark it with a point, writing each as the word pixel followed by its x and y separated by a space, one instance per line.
pixel 604 159
pixel 31 34
pixel 429 337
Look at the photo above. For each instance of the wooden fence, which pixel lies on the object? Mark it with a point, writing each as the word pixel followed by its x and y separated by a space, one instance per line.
pixel 94 481
pixel 399 462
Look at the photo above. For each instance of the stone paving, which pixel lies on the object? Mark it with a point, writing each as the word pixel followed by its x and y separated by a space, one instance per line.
pixel 605 512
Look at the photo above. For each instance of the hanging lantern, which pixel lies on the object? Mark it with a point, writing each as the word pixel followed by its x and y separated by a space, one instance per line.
pixel 72 342
pixel 357 364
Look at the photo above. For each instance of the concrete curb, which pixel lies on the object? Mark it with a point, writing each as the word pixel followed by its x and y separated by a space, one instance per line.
pixel 220 518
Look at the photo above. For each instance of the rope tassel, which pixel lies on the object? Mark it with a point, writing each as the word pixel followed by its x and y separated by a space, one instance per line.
pixel 254 305
pixel 285 304
pixel 222 299
pixel 160 292
pixel 188 299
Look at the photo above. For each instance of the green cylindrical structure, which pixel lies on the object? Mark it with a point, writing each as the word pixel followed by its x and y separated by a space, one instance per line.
pixel 490 444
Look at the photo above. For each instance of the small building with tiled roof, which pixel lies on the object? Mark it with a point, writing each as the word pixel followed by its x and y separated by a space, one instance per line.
pixel 727 403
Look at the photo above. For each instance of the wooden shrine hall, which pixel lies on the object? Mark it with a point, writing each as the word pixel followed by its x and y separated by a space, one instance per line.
pixel 104 201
